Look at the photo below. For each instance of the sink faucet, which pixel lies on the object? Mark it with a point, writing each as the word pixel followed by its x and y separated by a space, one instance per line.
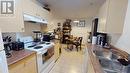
pixel 125 61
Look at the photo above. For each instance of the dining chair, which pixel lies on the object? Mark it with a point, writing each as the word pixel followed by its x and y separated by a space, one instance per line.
pixel 78 43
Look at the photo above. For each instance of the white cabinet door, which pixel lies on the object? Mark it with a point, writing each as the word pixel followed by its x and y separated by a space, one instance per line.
pixel 43 14
pixel 34 9
pixel 29 7
pixel 3 63
pixel 1 42
pixel 116 16
pixel 13 22
pixel 111 15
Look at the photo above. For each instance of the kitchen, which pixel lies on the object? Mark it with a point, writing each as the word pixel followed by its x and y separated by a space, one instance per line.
pixel 27 29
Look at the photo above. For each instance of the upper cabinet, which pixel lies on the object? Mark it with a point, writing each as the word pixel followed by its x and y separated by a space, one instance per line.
pixel 112 15
pixel 32 7
pixel 12 22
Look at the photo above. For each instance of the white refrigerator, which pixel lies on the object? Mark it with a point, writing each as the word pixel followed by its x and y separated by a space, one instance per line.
pixel 3 60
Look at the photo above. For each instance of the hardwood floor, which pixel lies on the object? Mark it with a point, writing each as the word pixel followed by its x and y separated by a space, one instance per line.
pixel 69 62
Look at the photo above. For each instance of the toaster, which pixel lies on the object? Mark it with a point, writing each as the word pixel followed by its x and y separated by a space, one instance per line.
pixel 17 46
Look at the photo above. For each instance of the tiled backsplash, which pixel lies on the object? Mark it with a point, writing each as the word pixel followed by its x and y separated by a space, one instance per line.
pixel 12 35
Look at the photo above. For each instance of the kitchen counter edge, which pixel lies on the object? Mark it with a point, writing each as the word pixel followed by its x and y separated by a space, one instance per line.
pixel 94 60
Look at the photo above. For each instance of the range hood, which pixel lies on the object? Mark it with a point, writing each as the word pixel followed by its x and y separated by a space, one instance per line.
pixel 34 19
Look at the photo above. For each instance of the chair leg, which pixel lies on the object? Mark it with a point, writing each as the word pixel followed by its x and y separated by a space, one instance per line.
pixel 71 46
pixel 80 47
pixel 77 48
pixel 67 46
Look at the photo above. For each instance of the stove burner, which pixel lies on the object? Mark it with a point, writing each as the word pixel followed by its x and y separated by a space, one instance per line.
pixel 31 46
pixel 38 47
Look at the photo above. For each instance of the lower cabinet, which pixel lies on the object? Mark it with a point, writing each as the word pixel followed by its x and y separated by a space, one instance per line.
pixel 85 60
pixel 90 66
pixel 57 49
pixel 27 65
pixel 88 63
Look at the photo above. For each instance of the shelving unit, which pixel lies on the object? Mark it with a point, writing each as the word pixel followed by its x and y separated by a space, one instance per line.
pixel 66 30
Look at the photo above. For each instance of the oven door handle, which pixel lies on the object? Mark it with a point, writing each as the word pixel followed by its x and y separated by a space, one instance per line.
pixel 42 52
pixel 39 53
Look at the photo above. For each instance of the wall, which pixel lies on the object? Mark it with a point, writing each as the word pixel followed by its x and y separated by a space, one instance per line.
pixel 124 41
pixel 114 37
pixel 53 24
pixel 82 31
pixel 29 27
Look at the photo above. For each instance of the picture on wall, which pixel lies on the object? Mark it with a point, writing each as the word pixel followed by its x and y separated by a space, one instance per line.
pixel 81 23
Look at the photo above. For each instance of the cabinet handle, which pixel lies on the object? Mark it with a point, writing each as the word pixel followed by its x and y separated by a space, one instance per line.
pixel 24 64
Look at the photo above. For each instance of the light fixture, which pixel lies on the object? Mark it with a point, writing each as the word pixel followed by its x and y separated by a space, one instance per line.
pixel 76 21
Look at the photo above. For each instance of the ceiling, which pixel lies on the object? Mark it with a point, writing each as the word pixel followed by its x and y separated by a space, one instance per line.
pixel 74 8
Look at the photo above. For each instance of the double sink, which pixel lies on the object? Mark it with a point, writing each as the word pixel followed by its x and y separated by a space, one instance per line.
pixel 109 61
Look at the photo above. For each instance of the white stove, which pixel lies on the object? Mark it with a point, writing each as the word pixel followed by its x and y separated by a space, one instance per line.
pixel 38 47
pixel 44 50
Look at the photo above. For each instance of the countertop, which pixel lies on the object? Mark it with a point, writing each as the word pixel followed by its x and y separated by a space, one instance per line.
pixel 18 55
pixel 95 61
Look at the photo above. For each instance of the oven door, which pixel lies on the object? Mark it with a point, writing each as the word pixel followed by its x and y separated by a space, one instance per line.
pixel 46 56
pixel 43 58
pixel 40 61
